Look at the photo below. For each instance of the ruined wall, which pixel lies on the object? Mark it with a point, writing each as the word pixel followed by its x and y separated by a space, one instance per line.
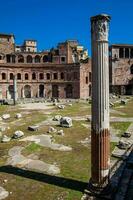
pixel 85 79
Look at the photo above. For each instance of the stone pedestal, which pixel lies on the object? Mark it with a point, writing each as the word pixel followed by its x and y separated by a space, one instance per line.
pixel 100 136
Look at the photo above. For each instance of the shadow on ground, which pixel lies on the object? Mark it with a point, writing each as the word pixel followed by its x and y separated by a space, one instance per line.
pixel 45 178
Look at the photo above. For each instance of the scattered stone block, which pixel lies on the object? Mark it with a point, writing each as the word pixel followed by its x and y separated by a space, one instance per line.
pixel 111 104
pixel 33 128
pixel 5 139
pixel 123 144
pixel 70 104
pixel 18 116
pixel 18 134
pixel 61 106
pixel 126 134
pixel 66 122
pixel 3 193
pixel 123 102
pixel 57 118
pixel 2 128
pixel 52 130
pixel 60 132
pixel 6 116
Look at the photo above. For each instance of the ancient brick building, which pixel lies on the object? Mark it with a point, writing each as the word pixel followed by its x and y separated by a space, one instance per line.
pixel 62 72
pixel 121 69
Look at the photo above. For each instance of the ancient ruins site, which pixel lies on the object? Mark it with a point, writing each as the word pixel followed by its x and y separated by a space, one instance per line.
pixel 41 159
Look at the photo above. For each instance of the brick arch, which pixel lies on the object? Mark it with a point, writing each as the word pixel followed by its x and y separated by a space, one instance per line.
pixel 27 91
pixel 20 58
pixel 37 59
pixel 29 59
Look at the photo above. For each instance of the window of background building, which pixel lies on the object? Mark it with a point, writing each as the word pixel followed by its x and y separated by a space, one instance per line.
pixel 41 76
pixel 26 76
pixel 131 69
pixel 62 75
pixel 131 53
pixel 11 76
pixel 19 76
pixel 90 76
pixel 75 74
pixel 86 79
pixel 121 53
pixel 63 59
pixel 3 76
pixel 34 76
pixel 55 76
pixel 48 76
pixel 126 53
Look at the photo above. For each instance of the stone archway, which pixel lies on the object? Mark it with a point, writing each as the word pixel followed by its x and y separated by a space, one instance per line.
pixel 41 90
pixel 69 91
pixel 55 91
pixel 27 91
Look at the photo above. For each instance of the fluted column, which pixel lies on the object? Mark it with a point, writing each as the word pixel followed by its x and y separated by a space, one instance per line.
pixel 100 136
pixel 15 96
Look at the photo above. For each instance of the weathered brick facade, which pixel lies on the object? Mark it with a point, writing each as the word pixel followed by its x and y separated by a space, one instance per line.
pixel 39 75
pixel 121 69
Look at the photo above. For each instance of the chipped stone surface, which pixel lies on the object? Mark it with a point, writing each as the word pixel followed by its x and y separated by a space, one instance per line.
pixel 5 139
pixel 3 193
pixel 17 159
pixel 18 134
pixel 66 122
pixel 18 116
pixel 46 141
pixel 6 116
pixel 33 128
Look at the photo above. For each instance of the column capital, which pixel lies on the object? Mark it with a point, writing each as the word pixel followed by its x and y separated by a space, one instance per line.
pixel 100 27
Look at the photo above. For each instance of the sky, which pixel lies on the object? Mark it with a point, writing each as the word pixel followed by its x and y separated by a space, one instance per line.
pixel 53 21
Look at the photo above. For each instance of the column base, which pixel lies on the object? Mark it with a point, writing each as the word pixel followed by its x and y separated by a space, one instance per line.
pixel 98 192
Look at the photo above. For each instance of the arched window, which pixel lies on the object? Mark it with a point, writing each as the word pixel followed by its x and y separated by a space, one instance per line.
pixel 34 76
pixel 3 76
pixel 19 76
pixel 62 75
pixel 126 53
pixel 20 59
pixel 11 76
pixel 45 58
pixel 37 59
pixel 121 53
pixel 131 69
pixel 29 59
pixel 26 76
pixel 41 76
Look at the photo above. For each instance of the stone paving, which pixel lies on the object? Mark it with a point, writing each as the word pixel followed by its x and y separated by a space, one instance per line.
pixel 17 159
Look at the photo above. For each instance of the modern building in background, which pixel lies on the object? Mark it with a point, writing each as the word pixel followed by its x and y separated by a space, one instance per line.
pixel 62 72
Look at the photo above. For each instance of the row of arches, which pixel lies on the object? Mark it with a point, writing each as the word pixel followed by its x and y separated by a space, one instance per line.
pixel 27 91
pixel 26 59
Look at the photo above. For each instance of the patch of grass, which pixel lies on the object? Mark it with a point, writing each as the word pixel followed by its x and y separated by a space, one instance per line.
pixel 33 147
pixel 127 109
pixel 77 109
pixel 112 146
pixel 121 126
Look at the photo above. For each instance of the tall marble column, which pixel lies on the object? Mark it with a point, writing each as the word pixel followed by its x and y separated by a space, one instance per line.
pixel 100 135
pixel 15 95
